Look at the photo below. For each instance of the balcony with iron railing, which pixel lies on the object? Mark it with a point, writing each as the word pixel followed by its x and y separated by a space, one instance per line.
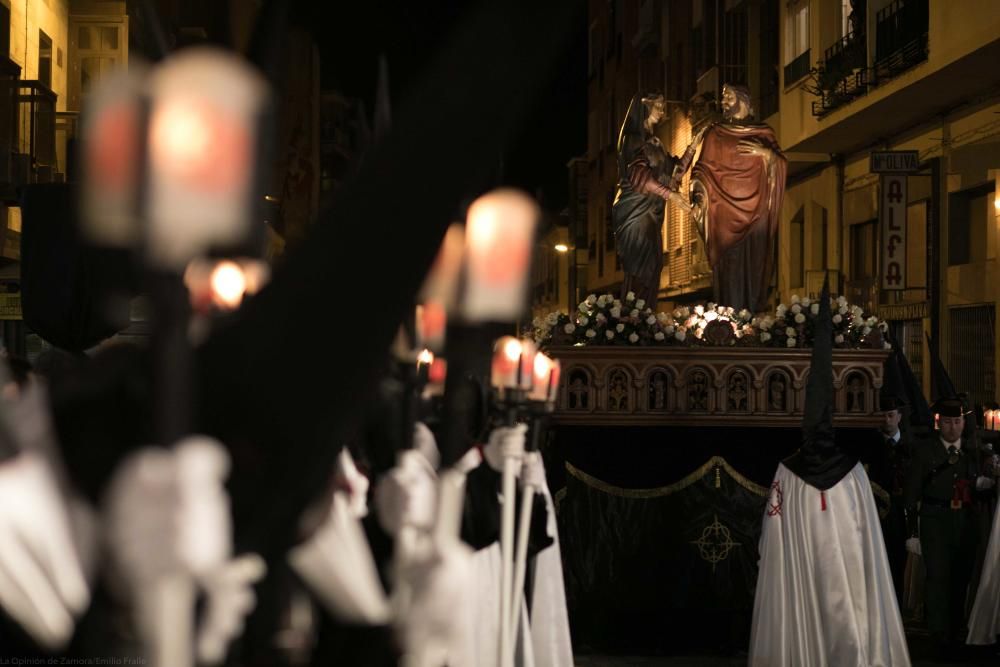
pixel 798 68
pixel 900 43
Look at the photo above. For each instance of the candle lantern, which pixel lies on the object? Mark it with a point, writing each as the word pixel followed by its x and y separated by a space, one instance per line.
pixel 204 161
pixel 499 235
pixel 513 364
pixel 545 386
pixel 112 133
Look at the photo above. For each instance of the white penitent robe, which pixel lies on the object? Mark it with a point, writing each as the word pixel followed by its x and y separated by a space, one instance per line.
pixel 824 593
pixel 549 619
pixel 486 566
pixel 984 622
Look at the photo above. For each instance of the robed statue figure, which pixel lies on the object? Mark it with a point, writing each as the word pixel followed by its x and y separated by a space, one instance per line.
pixel 737 186
pixel 644 170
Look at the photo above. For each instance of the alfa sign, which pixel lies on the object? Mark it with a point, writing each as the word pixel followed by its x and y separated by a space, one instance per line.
pixel 894 162
pixel 892 211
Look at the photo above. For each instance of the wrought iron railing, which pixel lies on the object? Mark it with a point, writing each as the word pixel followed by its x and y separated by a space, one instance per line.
pixel 798 68
pixel 900 43
pixel 10 73
pixel 37 127
pixel 66 130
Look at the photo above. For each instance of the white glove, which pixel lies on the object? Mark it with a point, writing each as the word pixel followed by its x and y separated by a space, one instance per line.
pixel 504 441
pixel 407 494
pixel 42 585
pixel 533 471
pixel 348 479
pixel 913 545
pixel 229 599
pixel 983 483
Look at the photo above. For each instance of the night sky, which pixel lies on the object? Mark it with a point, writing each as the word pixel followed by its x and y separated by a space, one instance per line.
pixel 351 36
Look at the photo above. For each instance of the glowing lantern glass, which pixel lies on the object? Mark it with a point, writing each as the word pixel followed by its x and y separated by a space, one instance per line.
pixel 112 135
pixel 204 125
pixel 513 364
pixel 545 385
pixel 499 235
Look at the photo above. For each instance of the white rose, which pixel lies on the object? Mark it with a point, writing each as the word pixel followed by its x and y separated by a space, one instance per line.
pixel 744 314
pixel 796 308
pixel 662 317
pixel 790 331
pixel 839 338
pixel 805 302
pixel 569 328
pixel 601 301
pixel 616 304
pixel 620 328
pixel 591 333
pixel 764 325
pixel 699 310
pixel 711 305
pixel 685 311
pixel 795 298
pixel 702 323
pixel 583 320
pixel 837 319
pixel 814 309
pixel 857 311
pixel 841 300
pixel 790 342
pixel 781 309
pixel 710 315
pixel 680 335
pixel 866 331
pixel 659 335
pixel 872 321
pixel 552 319
pixel 615 312
pixel 640 304
pixel 632 338
pixel 669 329
pixel 800 318
pixel 609 334
pixel 634 313
pixel 842 310
pixel 886 346
pixel 764 337
pixel 677 314
pixel 630 296
pixel 651 320
pixel 583 307
pixel 591 299
pixel 600 318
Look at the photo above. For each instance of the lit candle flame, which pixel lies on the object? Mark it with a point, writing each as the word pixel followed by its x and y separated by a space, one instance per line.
pixel 228 284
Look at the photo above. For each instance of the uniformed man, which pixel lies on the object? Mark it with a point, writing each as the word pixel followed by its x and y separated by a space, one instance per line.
pixel 941 484
pixel 888 470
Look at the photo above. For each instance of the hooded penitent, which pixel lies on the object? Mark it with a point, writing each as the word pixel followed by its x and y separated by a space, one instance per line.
pixel 819 462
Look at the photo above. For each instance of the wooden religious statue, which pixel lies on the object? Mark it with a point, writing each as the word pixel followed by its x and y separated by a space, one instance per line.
pixel 737 186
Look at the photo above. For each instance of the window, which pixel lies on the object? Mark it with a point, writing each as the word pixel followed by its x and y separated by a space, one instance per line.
pixel 797 250
pixel 968 214
pixel 972 353
pixel 797 31
pixel 863 251
pixel 845 13
pixel 4 30
pixel 96 48
pixel 734 47
pixel 44 59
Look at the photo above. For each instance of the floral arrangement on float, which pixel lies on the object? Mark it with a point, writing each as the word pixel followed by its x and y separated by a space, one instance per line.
pixel 606 320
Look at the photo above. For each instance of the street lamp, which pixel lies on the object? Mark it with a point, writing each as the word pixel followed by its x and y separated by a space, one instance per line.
pixel 561 247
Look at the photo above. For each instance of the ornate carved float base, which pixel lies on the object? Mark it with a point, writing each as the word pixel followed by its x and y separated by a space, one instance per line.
pixel 709 386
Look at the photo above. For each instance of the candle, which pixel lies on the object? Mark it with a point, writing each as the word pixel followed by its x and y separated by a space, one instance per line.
pixel 513 363
pixel 500 231
pixel 936 420
pixel 542 378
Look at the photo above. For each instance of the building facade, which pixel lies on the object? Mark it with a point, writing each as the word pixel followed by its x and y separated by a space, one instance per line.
pixel 841 82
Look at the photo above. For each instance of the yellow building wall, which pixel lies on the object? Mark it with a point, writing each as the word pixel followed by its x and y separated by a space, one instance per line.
pixel 52 17
pixel 955 29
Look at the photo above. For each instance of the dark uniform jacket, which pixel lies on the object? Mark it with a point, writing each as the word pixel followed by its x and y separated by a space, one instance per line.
pixel 934 481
